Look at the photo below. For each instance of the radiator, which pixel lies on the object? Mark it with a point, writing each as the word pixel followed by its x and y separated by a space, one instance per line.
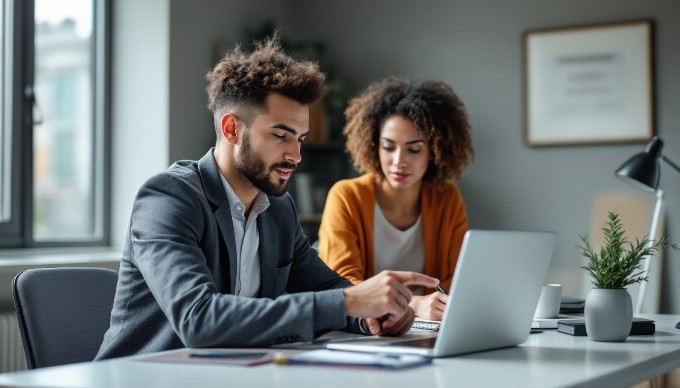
pixel 11 350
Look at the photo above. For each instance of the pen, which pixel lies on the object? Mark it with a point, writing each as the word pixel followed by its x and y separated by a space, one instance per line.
pixel 441 289
pixel 220 354
pixel 281 359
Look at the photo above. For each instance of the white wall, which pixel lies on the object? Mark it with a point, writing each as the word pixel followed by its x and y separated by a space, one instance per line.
pixel 139 103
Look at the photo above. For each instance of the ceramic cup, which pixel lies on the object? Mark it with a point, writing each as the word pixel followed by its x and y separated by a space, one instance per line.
pixel 549 302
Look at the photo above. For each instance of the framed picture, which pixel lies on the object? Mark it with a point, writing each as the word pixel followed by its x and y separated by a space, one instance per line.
pixel 589 84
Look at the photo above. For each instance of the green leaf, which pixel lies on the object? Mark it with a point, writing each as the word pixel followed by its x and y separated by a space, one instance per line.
pixel 619 263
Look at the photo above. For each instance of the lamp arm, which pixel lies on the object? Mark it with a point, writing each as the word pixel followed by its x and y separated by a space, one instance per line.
pixel 675 166
pixel 652 238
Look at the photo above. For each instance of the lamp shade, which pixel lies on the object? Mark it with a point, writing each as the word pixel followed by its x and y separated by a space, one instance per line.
pixel 642 170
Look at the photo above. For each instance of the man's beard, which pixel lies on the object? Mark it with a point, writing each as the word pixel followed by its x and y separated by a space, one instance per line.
pixel 254 168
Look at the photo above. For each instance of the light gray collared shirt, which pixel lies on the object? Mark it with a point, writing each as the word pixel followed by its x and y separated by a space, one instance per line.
pixel 247 240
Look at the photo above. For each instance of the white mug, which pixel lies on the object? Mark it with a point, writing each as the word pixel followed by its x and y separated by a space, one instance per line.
pixel 549 302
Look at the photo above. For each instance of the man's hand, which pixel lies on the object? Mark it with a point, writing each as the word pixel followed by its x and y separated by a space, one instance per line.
pixel 430 306
pixel 385 298
pixel 378 327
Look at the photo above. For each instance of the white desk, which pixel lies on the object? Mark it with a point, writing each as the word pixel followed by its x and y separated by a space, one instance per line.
pixel 549 359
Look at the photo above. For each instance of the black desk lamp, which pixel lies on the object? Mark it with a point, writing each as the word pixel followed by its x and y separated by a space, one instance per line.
pixel 643 171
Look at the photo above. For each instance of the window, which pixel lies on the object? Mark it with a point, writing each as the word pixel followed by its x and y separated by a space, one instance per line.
pixel 55 112
pixel 5 162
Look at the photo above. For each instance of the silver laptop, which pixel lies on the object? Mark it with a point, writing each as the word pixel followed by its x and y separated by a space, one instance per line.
pixel 495 289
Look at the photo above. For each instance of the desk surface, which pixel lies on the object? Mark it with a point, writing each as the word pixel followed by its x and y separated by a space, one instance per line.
pixel 548 359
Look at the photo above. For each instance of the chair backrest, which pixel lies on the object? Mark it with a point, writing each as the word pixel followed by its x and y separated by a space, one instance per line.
pixel 63 313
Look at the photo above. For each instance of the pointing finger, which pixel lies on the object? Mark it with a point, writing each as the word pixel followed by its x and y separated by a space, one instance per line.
pixel 415 279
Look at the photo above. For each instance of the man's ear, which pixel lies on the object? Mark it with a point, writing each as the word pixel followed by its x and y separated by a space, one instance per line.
pixel 228 125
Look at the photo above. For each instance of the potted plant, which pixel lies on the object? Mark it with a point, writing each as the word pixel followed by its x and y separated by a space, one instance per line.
pixel 618 264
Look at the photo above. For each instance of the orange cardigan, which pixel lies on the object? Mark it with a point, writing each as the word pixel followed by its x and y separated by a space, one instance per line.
pixel 346 231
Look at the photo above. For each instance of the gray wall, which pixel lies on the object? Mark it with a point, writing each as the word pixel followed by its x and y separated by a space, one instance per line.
pixel 139 103
pixel 196 28
pixel 476 46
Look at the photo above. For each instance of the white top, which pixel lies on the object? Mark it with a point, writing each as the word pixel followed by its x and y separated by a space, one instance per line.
pixel 395 249
pixel 247 240
pixel 548 359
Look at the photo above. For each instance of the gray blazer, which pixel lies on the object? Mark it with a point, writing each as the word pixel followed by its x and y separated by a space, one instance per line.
pixel 178 272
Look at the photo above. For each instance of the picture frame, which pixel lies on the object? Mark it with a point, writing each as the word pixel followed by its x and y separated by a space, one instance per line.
pixel 589 84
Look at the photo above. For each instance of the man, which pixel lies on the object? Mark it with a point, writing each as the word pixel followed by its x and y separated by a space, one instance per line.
pixel 215 255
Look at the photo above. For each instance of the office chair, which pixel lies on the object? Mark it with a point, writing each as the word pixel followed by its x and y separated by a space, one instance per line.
pixel 63 313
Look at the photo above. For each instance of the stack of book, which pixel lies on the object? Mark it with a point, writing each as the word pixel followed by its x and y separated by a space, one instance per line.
pixel 641 326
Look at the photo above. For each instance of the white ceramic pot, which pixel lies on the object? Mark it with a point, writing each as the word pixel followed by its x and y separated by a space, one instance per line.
pixel 608 314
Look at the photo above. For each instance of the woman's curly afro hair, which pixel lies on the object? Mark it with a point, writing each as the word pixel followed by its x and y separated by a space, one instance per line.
pixel 432 106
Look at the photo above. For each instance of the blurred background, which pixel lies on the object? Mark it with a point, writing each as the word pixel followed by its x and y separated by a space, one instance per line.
pixel 475 46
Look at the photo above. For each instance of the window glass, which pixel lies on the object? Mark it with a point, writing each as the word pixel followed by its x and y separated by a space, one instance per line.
pixel 64 192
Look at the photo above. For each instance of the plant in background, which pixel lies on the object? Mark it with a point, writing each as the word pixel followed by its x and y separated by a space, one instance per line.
pixel 619 262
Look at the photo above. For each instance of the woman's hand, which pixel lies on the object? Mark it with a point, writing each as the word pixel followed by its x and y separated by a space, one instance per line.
pixel 430 307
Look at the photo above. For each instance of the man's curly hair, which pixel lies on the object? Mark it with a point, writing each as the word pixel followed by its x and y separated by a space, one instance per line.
pixel 240 82
pixel 435 110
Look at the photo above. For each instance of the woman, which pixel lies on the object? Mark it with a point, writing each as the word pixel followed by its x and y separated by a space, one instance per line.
pixel 410 138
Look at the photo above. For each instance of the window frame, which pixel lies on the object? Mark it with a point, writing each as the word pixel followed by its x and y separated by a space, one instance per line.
pixel 20 38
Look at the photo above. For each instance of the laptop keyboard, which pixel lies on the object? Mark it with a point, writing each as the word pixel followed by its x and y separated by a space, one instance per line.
pixel 427 343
